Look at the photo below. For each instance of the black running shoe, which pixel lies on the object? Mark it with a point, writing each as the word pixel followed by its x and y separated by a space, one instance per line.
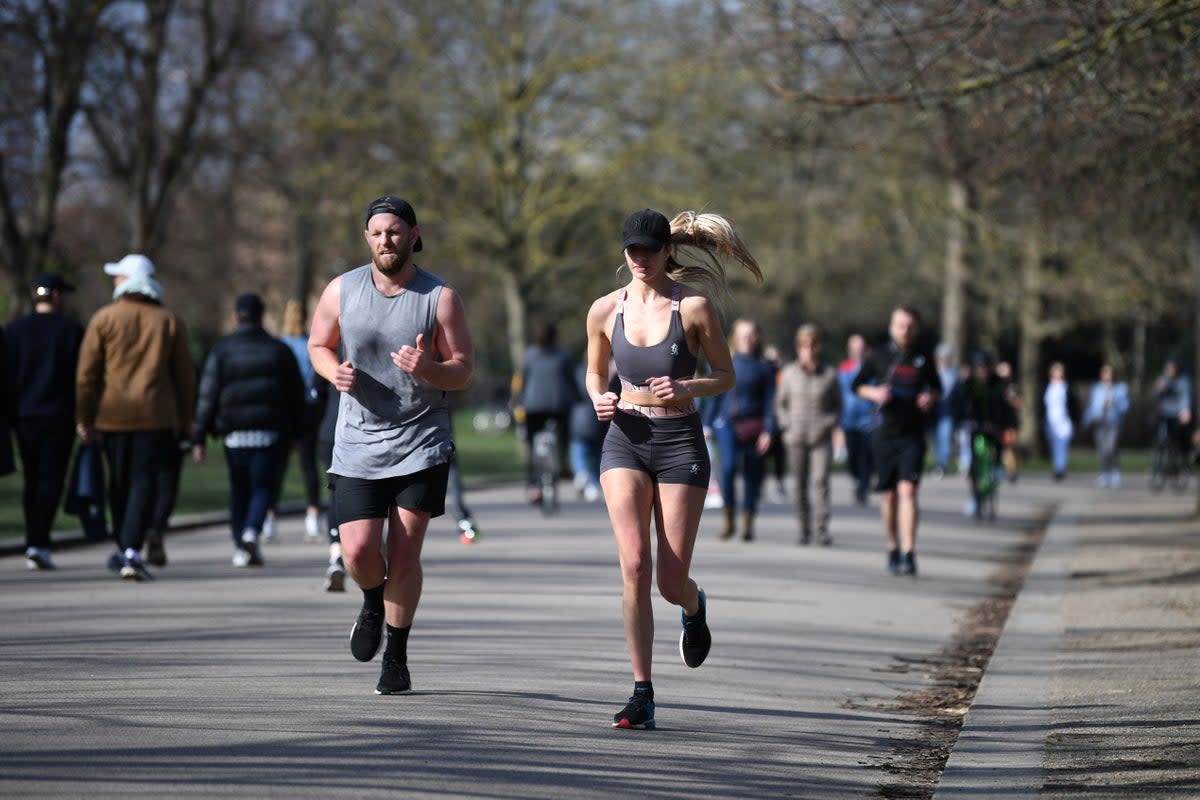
pixel 894 562
pixel 909 566
pixel 367 634
pixel 394 678
pixel 156 553
pixel 638 714
pixel 695 640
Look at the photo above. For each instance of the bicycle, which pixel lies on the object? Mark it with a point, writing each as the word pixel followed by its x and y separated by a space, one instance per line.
pixel 546 466
pixel 984 484
pixel 1167 460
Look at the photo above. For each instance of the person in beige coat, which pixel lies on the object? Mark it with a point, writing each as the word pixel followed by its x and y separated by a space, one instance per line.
pixel 135 387
pixel 808 403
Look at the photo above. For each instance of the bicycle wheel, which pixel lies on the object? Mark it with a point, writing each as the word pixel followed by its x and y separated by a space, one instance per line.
pixel 1180 471
pixel 549 494
pixel 546 462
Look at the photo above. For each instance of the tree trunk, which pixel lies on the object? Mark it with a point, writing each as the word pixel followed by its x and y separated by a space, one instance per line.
pixel 514 306
pixel 1137 378
pixel 1030 336
pixel 1193 257
pixel 303 232
pixel 955 286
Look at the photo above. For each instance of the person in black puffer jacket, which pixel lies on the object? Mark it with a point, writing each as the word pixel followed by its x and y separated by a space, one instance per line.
pixel 251 394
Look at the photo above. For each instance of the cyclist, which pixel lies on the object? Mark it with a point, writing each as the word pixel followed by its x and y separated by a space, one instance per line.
pixel 980 406
pixel 548 390
pixel 1173 402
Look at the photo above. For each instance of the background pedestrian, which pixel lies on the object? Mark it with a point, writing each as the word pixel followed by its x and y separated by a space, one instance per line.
pixel 808 404
pixel 1107 405
pixel 43 354
pixel 252 396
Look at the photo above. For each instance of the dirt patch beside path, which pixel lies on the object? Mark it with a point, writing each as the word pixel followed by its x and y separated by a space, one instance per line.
pixel 914 765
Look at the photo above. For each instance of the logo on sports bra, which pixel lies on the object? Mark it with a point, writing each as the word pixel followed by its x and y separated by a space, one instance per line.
pixel 674 348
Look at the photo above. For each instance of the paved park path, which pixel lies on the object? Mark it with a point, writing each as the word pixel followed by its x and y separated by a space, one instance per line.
pixel 216 682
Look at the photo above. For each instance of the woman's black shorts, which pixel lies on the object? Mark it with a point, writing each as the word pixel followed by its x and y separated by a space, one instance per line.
pixel 669 449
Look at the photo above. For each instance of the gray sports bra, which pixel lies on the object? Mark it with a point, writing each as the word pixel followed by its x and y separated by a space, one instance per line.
pixel 670 357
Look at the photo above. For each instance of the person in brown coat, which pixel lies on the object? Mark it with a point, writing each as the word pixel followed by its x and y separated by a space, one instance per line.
pixel 135 389
pixel 808 403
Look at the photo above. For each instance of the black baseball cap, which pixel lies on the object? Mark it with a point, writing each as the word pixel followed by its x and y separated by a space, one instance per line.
pixel 390 204
pixel 49 282
pixel 646 228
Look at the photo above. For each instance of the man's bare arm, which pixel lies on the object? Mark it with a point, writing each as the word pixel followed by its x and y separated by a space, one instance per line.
pixel 324 336
pixel 451 341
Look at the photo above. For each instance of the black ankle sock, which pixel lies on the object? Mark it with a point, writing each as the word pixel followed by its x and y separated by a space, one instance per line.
pixel 397 642
pixel 373 598
pixel 644 687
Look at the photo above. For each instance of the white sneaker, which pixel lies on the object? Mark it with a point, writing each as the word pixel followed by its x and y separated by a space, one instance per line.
pixel 250 547
pixel 335 578
pixel 1114 479
pixel 312 526
pixel 241 558
pixel 591 493
pixel 714 500
pixel 269 529
pixel 38 558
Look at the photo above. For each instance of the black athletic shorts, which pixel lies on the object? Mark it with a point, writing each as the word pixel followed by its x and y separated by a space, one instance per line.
pixel 367 498
pixel 669 449
pixel 897 458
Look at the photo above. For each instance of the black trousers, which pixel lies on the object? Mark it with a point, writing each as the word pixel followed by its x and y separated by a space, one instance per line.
pixel 45 446
pixel 135 461
pixel 306 452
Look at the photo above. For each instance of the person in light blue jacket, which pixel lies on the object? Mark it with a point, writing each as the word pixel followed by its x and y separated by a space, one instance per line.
pixel 1106 409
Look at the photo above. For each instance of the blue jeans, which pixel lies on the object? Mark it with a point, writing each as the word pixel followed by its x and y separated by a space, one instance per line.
pixel 253 485
pixel 1059 448
pixel 943 434
pixel 585 461
pixel 860 459
pixel 733 455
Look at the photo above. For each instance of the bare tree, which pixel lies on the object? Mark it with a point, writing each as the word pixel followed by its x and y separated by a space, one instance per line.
pixel 45 50
pixel 149 101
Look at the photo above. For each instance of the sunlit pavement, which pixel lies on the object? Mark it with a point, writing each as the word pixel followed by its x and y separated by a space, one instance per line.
pixel 219 682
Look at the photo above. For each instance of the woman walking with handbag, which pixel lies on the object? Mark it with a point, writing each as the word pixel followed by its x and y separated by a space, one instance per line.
pixel 742 422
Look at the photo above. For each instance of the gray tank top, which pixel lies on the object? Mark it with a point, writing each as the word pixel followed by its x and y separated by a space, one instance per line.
pixel 392 423
pixel 670 357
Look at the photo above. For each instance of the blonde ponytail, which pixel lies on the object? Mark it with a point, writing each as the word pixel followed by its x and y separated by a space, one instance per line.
pixel 702 243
